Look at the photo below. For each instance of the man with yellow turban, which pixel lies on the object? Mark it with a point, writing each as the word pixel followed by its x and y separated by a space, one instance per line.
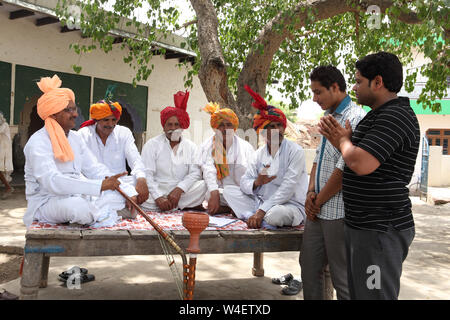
pixel 225 157
pixel 64 182
pixel 273 189
pixel 171 163
pixel 114 146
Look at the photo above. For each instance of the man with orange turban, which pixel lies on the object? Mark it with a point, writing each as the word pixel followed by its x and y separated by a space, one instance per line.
pixel 225 157
pixel 171 163
pixel 114 146
pixel 61 174
pixel 273 189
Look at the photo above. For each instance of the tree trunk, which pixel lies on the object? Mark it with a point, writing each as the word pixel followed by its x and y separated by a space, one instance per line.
pixel 213 72
pixel 255 72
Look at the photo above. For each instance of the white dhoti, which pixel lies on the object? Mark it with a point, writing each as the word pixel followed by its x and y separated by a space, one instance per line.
pixel 85 210
pixel 193 197
pixel 244 206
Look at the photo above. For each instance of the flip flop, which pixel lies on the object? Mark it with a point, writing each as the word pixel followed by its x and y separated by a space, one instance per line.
pixel 5 295
pixel 66 274
pixel 283 279
pixel 83 278
pixel 293 288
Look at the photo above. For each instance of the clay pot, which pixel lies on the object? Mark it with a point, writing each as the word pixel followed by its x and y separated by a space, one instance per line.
pixel 195 223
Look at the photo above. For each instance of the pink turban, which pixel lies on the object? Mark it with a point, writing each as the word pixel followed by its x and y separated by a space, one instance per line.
pixel 180 99
pixel 53 101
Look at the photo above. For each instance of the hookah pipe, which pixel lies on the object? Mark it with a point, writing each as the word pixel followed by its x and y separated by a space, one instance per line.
pixel 195 223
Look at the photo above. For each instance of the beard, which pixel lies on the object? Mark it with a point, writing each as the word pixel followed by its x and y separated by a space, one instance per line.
pixel 174 135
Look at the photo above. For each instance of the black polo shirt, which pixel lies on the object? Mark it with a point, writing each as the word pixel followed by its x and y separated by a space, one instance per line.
pixel 391 134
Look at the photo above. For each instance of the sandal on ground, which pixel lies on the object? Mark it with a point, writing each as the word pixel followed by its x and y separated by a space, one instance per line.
pixel 283 279
pixel 66 274
pixel 5 295
pixel 293 288
pixel 83 278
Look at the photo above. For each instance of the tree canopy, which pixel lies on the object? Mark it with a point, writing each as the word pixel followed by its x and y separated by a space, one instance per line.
pixel 259 42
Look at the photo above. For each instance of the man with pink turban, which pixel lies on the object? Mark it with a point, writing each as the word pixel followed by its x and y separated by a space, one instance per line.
pixel 171 162
pixel 64 182
pixel 114 146
pixel 273 189
pixel 225 157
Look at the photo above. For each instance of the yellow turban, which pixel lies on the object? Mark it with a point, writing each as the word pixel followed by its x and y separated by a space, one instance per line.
pixel 103 109
pixel 218 115
pixel 53 101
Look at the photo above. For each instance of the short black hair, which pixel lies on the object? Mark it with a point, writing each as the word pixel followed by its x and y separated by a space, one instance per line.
pixel 327 75
pixel 384 64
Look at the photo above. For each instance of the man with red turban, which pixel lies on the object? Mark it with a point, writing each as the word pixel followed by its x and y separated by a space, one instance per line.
pixel 61 174
pixel 114 146
pixel 225 157
pixel 273 189
pixel 171 163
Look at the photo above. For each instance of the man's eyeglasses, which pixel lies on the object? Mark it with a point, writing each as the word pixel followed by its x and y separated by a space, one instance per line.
pixel 70 109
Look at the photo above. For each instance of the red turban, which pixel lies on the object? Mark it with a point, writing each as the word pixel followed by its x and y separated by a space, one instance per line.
pixel 103 109
pixel 265 114
pixel 180 99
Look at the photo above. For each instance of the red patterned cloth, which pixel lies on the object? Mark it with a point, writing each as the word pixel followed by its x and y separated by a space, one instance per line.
pixel 167 221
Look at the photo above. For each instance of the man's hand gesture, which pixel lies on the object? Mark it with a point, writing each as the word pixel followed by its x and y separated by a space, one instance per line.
pixel 174 196
pixel 112 183
pixel 263 178
pixel 142 190
pixel 255 220
pixel 214 202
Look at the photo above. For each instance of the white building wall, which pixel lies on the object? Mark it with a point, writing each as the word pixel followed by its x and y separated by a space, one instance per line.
pixel 21 42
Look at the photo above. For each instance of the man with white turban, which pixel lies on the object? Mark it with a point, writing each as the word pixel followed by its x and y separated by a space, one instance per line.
pixel 225 158
pixel 64 182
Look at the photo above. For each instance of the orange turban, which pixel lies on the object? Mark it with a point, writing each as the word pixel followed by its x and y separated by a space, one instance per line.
pixel 265 114
pixel 218 115
pixel 103 109
pixel 180 99
pixel 53 101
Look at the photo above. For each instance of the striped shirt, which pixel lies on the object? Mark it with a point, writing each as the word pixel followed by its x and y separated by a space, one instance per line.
pixel 328 158
pixel 391 134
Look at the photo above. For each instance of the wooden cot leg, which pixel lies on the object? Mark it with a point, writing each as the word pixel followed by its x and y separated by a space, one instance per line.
pixel 44 272
pixel 328 290
pixel 31 275
pixel 258 264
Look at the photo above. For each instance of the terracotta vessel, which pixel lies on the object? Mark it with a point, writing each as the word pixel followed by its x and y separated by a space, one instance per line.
pixel 195 223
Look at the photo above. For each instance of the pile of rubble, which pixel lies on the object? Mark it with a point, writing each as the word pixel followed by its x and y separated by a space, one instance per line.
pixel 305 133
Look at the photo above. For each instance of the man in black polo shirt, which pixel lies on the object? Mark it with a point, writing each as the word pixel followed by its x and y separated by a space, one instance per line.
pixel 380 156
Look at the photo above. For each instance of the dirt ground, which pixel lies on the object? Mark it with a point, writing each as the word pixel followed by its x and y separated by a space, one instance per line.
pixel 9 267
pixel 426 271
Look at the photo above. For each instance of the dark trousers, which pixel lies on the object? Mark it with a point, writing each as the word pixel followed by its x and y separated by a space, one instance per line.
pixel 374 262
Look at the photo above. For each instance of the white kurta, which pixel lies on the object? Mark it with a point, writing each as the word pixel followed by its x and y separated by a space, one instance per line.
pixel 167 169
pixel 284 197
pixel 239 155
pixel 6 164
pixel 119 149
pixel 60 191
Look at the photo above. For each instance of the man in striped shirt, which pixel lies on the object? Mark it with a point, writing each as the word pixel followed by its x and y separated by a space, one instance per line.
pixel 324 240
pixel 380 156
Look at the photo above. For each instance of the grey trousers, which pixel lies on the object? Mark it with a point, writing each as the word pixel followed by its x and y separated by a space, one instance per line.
pixel 323 243
pixel 375 262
